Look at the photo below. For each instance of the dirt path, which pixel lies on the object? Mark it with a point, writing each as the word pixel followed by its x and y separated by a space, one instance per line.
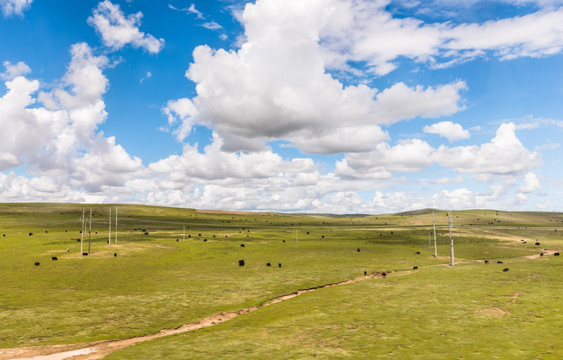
pixel 98 350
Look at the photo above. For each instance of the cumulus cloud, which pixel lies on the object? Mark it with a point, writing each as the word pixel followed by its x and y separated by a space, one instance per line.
pixel 407 156
pixel 14 70
pixel 118 30
pixel 14 7
pixel 276 86
pixel 503 155
pixel 531 183
pixel 449 130
pixel 55 132
pixel 215 164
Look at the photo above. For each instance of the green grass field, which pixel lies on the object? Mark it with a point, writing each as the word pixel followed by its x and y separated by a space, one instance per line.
pixel 159 280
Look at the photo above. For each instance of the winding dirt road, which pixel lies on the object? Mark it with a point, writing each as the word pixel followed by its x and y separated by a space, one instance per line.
pixel 98 350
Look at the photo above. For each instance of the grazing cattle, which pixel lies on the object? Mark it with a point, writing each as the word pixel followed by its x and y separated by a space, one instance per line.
pixel 198 234
pixel 46 231
pixel 268 264
pixel 177 240
pixel 384 274
pixel 415 267
pixel 204 239
pixel 505 269
pixel 307 233
pixel 54 258
pixel 241 263
pixel 541 254
pixel 486 261
pixel 283 240
pixel 241 245
pixel 30 234
pixel 37 263
pixel 556 254
pixel 358 250
pixel 146 233
pixel 365 273
pixel 114 254
pixel 417 253
pixel 537 243
pixel 499 262
pixel 279 265
pixel 84 254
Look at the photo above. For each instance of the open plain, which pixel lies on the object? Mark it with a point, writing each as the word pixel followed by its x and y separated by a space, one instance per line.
pixel 336 286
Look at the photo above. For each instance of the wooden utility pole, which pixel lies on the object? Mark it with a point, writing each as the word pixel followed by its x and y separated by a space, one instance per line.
pixel 451 224
pixel 82 233
pixel 434 224
pixel 116 225
pixel 90 232
pixel 109 230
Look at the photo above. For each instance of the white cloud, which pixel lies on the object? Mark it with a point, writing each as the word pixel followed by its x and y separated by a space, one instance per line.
pixel 192 9
pixel 407 156
pixel 446 181
pixel 148 75
pixel 59 141
pixel 276 87
pixel 118 30
pixel 504 155
pixel 14 70
pixel 183 111
pixel 534 35
pixel 215 164
pixel 14 7
pixel 531 183
pixel 449 130
pixel 212 25
pixel 366 31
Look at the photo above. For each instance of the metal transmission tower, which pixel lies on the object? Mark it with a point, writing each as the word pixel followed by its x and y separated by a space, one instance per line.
pixel 116 225
pixel 90 232
pixel 451 225
pixel 434 224
pixel 82 233
pixel 109 231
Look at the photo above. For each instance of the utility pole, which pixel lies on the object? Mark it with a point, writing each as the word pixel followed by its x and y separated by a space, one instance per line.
pixel 451 224
pixel 82 233
pixel 116 225
pixel 90 232
pixel 434 224
pixel 109 230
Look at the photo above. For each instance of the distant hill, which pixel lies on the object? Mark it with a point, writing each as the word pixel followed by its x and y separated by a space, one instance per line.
pixel 417 212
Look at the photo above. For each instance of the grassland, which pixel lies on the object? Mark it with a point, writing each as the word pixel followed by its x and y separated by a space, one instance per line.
pixel 161 279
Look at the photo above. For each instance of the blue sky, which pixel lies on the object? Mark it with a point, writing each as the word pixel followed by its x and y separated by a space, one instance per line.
pixel 341 106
